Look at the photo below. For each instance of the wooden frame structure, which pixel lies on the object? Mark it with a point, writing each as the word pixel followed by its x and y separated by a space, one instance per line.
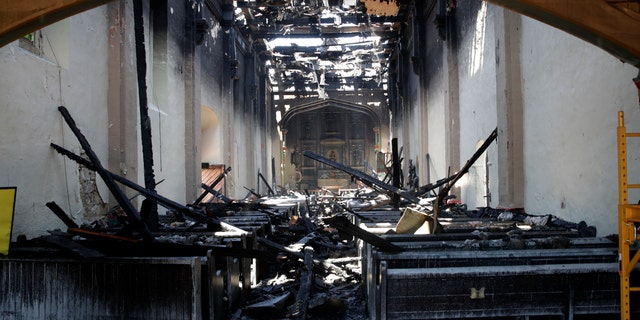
pixel 613 25
pixel 18 18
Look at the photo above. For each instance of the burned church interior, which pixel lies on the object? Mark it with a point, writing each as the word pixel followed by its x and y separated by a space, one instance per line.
pixel 319 159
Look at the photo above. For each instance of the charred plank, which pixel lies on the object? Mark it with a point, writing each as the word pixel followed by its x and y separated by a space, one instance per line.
pixel 271 192
pixel 61 214
pixel 445 191
pixel 168 203
pixel 118 194
pixel 216 193
pixel 362 177
pixel 342 223
pixel 212 185
pixel 299 309
pixel 70 245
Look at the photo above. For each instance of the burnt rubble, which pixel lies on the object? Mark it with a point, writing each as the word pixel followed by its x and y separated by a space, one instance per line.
pixel 321 254
pixel 302 256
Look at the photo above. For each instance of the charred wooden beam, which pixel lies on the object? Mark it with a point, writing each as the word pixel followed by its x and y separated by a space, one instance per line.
pixel 253 192
pixel 443 193
pixel 145 122
pixel 149 214
pixel 395 165
pixel 371 181
pixel 422 191
pixel 217 194
pixel 212 185
pixel 470 162
pixel 279 247
pixel 61 214
pixel 266 183
pixel 168 203
pixel 68 244
pixel 100 235
pixel 301 244
pixel 342 223
pixel 120 197
pixel 299 309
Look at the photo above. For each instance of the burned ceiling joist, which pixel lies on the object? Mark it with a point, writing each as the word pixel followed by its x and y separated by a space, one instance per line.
pixel 316 47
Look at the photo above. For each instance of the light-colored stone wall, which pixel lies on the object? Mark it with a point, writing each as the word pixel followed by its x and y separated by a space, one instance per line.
pixel 71 71
pixel 87 63
pixel 570 93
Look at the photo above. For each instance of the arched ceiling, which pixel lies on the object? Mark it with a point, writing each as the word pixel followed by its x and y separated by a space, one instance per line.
pixel 324 103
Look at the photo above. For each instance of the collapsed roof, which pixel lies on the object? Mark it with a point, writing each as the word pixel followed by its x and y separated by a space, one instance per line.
pixel 314 47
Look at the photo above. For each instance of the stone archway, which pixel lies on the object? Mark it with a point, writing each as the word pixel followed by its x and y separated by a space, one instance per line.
pixel 345 132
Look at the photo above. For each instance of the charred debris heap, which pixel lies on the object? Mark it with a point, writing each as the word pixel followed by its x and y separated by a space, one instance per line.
pixel 299 255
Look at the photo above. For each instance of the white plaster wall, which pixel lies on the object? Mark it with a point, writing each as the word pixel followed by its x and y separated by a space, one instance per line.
pixel 412 138
pixel 435 96
pixel 240 155
pixel 477 76
pixel 436 129
pixel 168 128
pixel 71 73
pixel 213 144
pixel 572 92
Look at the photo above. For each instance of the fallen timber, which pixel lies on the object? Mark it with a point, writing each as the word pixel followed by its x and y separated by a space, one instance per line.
pixel 217 194
pixel 482 266
pixel 445 190
pixel 271 192
pixel 343 224
pixel 371 181
pixel 449 181
pixel 211 186
pixel 468 271
pixel 299 308
pixel 190 212
pixel 118 194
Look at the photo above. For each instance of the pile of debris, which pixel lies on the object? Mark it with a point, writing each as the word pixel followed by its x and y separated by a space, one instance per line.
pixel 301 256
pixel 315 255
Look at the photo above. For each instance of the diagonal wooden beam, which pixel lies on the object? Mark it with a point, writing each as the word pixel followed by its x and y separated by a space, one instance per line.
pixel 18 18
pixel 611 25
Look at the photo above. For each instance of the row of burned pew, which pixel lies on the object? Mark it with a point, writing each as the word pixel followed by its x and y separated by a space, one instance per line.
pixel 239 237
pixel 214 270
pixel 219 267
pixel 479 266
